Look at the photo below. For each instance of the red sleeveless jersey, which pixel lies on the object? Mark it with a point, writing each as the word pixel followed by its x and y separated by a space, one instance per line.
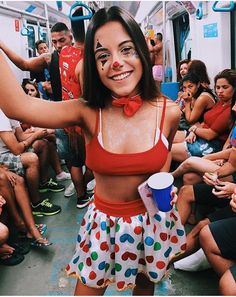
pixel 68 60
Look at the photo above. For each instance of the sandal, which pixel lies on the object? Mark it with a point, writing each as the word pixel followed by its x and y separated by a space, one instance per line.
pixel 42 228
pixel 37 243
pixel 12 259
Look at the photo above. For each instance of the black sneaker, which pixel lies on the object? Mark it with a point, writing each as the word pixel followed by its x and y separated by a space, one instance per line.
pixel 45 208
pixel 51 186
pixel 83 201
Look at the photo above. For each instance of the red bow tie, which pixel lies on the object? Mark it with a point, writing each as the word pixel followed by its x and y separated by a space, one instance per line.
pixel 130 104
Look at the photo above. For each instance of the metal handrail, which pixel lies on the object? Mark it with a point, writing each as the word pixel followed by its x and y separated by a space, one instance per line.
pixel 82 17
pixel 199 11
pixel 224 9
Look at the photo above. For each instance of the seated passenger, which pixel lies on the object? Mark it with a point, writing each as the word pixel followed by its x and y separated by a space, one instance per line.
pixel 198 68
pixel 31 89
pixel 182 69
pixel 214 193
pixel 13 188
pixel 218 242
pixel 14 153
pixel 8 255
pixel 43 77
pixel 195 101
pixel 193 168
pixel 210 135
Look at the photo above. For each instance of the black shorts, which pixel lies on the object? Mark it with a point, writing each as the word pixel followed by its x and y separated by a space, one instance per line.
pixel 224 234
pixel 222 213
pixel 204 196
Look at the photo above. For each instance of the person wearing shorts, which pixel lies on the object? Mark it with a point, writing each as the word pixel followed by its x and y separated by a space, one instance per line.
pixel 218 241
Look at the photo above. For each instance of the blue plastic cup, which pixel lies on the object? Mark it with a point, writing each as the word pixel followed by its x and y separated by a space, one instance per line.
pixel 161 186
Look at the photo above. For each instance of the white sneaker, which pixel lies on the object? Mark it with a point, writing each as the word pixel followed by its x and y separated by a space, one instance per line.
pixel 194 262
pixel 70 190
pixel 63 176
pixel 90 186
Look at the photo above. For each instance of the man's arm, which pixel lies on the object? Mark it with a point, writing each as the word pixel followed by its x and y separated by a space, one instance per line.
pixel 36 64
pixel 80 74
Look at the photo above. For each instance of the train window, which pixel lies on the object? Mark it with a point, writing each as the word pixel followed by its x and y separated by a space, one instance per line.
pixel 31 42
pixel 181 37
pixel 233 39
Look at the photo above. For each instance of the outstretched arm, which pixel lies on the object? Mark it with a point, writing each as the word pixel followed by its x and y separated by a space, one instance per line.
pixel 36 64
pixel 40 113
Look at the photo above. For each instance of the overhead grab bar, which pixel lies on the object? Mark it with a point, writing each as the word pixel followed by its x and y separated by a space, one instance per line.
pixel 25 31
pixel 223 9
pixel 199 11
pixel 81 17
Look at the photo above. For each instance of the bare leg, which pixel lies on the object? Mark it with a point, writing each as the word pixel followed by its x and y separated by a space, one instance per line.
pixel 192 240
pixel 179 152
pixel 7 192
pixel 219 264
pixel 88 175
pixel 5 249
pixel 54 159
pixel 30 162
pixel 192 178
pixel 22 198
pixel 82 290
pixel 227 284
pixel 4 233
pixel 78 180
pixel 144 287
pixel 179 137
pixel 41 150
pixel 195 164
pixel 185 199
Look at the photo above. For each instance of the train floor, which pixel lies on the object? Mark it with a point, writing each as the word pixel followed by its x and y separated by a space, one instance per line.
pixel 42 271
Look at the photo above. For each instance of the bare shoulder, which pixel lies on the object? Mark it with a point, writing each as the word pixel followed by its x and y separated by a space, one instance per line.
pixel 172 108
pixel 205 96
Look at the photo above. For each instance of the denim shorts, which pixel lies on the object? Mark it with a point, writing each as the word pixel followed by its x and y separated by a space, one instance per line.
pixel 201 147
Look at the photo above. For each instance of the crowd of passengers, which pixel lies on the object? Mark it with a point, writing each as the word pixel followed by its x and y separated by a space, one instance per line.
pixel 203 156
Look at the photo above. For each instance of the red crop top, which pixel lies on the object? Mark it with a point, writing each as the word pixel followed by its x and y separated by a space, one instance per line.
pixel 104 162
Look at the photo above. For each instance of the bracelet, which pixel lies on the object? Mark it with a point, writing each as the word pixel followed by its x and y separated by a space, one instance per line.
pixel 193 130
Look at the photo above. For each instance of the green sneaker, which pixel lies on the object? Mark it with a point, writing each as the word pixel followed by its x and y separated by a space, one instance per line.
pixel 45 208
pixel 51 186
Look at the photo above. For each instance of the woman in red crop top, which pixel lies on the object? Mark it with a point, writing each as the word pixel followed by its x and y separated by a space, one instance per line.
pixel 129 127
pixel 210 135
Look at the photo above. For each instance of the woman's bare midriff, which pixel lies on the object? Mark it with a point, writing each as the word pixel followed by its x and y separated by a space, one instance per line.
pixel 118 188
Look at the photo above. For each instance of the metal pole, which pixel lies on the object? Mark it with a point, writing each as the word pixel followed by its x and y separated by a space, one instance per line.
pixel 164 41
pixel 48 28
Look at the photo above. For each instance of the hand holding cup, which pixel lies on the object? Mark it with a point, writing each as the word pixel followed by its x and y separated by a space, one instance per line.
pixel 161 187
